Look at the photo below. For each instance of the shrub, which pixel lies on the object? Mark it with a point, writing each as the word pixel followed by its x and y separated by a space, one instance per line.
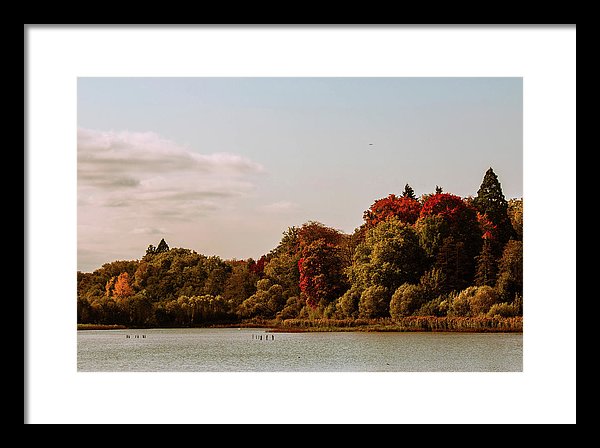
pixel 483 299
pixel 406 300
pixel 437 307
pixel 503 309
pixel 348 304
pixel 374 302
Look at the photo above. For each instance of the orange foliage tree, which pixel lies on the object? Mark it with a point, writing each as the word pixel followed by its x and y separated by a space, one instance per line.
pixel 122 288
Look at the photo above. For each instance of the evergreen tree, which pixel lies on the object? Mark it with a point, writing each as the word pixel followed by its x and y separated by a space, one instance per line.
pixel 162 247
pixel 490 202
pixel 487 266
pixel 408 192
pixel 454 264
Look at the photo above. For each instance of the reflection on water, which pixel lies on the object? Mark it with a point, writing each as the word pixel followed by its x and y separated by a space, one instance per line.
pixel 246 350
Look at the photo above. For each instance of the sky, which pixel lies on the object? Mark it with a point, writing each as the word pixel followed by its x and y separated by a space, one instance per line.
pixel 224 166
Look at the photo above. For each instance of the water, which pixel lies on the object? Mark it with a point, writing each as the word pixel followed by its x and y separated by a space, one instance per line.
pixel 243 350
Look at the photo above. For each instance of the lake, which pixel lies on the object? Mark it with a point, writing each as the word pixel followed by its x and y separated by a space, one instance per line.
pixel 254 350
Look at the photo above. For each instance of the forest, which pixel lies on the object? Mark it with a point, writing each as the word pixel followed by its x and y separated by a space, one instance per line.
pixel 435 258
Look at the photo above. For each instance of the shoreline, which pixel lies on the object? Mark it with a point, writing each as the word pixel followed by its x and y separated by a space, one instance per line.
pixel 422 324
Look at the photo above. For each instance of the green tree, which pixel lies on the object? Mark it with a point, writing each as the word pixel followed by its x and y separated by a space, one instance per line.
pixel 455 264
pixel 389 256
pixel 487 265
pixel 240 284
pixel 510 272
pixel 283 269
pixel 293 307
pixel 374 302
pixel 433 283
pixel 432 230
pixel 265 303
pixel 348 304
pixel 406 300
pixel 408 192
pixel 490 202
pixel 450 233
pixel 162 247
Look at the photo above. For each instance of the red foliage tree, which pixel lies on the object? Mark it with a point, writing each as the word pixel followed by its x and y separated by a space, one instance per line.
pixel 452 208
pixel 404 208
pixel 321 273
pixel 257 267
pixel 313 231
pixel 488 228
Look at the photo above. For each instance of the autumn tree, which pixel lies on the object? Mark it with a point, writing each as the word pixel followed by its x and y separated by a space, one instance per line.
pixel 404 208
pixel 122 288
pixel 321 273
pixel 313 231
pixel 490 202
pixel 110 285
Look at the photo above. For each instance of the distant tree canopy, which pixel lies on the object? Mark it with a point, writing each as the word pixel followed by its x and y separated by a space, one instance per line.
pixel 437 255
pixel 403 208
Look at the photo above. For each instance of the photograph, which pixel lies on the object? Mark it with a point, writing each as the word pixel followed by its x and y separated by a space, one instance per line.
pixel 299 224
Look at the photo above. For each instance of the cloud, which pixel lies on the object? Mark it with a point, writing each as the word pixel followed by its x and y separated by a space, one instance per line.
pixel 135 184
pixel 148 231
pixel 120 168
pixel 113 159
pixel 280 207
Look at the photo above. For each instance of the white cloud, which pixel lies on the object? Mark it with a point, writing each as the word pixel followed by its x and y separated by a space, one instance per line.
pixel 135 184
pixel 149 231
pixel 280 207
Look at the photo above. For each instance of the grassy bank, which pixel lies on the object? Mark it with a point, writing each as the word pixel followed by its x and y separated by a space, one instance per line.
pixel 100 327
pixel 412 323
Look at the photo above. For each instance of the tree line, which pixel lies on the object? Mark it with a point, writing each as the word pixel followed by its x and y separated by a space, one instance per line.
pixel 436 255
